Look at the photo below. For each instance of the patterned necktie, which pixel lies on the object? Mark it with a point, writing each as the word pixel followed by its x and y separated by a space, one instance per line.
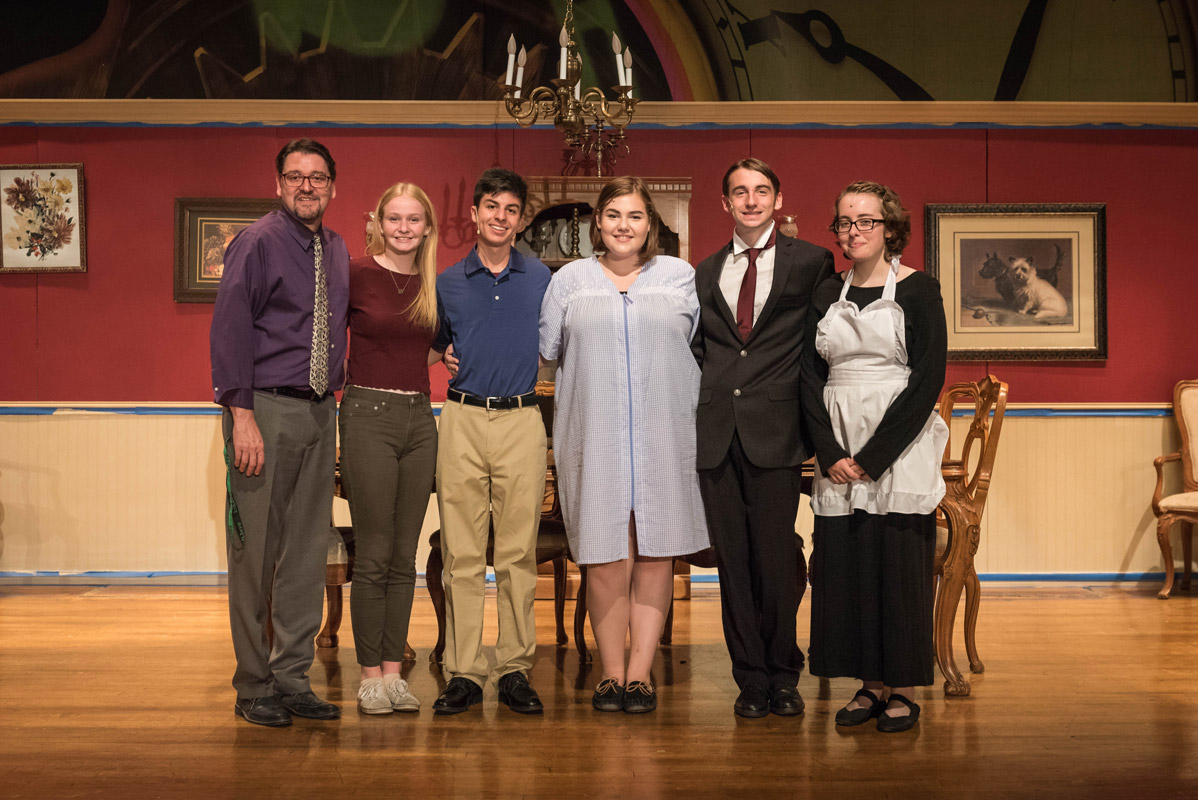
pixel 318 371
pixel 748 289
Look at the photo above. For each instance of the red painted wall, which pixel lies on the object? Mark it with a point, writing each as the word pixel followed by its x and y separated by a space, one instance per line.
pixel 115 334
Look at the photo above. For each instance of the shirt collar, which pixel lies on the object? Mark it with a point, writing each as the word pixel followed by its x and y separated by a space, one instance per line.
pixel 738 245
pixel 302 233
pixel 474 264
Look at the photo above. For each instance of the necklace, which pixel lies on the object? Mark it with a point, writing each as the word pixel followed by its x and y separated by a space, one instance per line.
pixel 395 283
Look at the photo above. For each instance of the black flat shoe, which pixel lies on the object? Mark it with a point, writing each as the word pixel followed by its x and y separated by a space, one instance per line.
pixel 888 724
pixel 266 711
pixel 608 696
pixel 459 695
pixel 639 698
pixel 847 718
pixel 520 697
pixel 307 704
pixel 753 702
pixel 785 701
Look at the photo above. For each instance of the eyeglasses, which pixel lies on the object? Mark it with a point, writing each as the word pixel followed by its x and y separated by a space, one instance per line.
pixel 318 180
pixel 862 225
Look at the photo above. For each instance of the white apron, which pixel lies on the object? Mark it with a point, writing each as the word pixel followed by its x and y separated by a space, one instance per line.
pixel 866 352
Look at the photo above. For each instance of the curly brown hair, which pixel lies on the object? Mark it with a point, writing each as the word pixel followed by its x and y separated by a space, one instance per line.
pixel 897 218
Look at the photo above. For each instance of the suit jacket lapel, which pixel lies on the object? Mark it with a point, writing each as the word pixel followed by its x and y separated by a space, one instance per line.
pixel 783 262
pixel 718 296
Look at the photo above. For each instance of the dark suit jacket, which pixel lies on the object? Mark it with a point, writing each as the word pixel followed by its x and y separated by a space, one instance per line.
pixel 752 387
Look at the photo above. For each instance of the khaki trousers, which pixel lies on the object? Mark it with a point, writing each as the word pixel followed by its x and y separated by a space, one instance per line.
pixel 490 469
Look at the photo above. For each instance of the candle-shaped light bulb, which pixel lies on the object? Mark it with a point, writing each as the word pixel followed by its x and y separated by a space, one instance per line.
pixel 564 40
pixel 520 61
pixel 578 83
pixel 615 46
pixel 511 60
pixel 628 70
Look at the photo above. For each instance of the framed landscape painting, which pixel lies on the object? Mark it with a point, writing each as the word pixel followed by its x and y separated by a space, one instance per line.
pixel 1021 281
pixel 204 226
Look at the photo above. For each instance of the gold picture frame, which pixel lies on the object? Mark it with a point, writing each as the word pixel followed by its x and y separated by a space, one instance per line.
pixel 203 228
pixel 43 219
pixel 1020 281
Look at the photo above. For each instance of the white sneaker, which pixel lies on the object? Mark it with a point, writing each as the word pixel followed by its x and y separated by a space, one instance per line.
pixel 397 692
pixel 372 697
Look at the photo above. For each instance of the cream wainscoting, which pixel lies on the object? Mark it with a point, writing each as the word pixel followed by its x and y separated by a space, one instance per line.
pixel 140 489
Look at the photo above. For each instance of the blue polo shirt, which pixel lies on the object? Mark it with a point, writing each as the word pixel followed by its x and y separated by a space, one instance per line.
pixel 493 323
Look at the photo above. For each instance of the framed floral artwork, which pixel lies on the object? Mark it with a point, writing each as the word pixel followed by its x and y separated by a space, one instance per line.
pixel 204 226
pixel 42 218
pixel 1021 281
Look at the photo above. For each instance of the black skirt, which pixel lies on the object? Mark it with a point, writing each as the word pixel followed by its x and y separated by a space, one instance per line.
pixel 872 597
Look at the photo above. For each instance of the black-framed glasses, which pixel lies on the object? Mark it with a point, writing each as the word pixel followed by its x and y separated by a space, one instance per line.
pixel 318 180
pixel 864 225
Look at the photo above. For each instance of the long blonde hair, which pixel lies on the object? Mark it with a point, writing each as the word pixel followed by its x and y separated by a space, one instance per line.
pixel 423 310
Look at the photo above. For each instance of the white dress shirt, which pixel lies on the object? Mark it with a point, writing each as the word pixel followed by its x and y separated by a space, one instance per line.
pixel 733 273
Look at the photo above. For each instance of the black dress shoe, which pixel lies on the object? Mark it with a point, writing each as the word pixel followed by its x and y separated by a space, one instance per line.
pixel 608 696
pixel 847 717
pixel 752 702
pixel 888 724
pixel 306 704
pixel 639 697
pixel 266 711
pixel 520 697
pixel 785 701
pixel 459 695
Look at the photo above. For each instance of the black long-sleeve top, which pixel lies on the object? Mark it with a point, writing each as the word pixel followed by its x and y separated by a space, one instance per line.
pixel 927 353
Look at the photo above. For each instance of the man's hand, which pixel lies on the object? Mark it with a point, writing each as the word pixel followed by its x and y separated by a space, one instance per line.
pixel 451 362
pixel 248 454
pixel 845 471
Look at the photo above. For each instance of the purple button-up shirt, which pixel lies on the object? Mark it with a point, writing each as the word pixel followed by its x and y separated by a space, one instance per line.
pixel 262 325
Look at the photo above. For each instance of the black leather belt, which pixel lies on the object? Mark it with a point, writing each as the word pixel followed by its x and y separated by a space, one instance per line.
pixel 299 394
pixel 494 403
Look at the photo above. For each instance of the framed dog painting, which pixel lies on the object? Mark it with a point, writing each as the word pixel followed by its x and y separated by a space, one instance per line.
pixel 1021 282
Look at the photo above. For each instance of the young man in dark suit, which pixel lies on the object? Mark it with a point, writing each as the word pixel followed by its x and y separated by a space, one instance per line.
pixel 754 295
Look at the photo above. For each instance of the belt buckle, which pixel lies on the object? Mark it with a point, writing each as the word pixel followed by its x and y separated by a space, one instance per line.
pixel 488 404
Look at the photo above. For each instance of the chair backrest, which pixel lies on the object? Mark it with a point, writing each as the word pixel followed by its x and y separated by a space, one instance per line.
pixel 1185 411
pixel 989 397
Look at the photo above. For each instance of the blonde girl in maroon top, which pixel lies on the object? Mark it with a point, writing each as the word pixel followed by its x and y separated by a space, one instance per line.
pixel 388 434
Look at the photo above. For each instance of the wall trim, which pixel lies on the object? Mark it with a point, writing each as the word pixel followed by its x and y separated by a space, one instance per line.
pixel 203 410
pixel 678 114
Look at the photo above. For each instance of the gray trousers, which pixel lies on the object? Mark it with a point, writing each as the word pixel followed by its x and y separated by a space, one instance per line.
pixel 280 568
pixel 388 459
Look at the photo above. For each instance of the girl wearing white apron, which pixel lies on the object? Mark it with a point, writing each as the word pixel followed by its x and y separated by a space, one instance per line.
pixel 870 385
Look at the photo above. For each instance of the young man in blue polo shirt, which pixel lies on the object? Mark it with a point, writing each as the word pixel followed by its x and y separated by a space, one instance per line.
pixel 491 453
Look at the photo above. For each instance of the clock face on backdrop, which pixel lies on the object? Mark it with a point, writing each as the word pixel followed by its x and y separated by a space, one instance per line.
pixel 1068 50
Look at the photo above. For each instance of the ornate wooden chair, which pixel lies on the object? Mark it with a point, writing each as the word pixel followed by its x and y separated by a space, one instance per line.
pixel 1183 506
pixel 967 480
pixel 551 543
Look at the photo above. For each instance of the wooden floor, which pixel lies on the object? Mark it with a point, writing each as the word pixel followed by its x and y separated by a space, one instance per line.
pixel 124 692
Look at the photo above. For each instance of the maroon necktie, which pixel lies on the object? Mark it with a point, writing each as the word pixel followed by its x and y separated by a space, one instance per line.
pixel 748 288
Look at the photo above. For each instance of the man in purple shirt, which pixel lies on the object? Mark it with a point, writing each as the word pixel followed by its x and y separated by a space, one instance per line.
pixel 278 347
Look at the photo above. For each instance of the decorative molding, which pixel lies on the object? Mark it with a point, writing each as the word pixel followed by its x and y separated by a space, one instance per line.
pixel 732 114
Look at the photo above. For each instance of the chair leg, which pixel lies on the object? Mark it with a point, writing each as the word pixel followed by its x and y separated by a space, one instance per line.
pixel 559 599
pixel 1187 553
pixel 436 592
pixel 801 576
pixel 328 634
pixel 948 598
pixel 667 631
pixel 973 601
pixel 1162 538
pixel 580 616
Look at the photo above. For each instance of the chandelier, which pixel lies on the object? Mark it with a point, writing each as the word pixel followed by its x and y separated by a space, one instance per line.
pixel 592 125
